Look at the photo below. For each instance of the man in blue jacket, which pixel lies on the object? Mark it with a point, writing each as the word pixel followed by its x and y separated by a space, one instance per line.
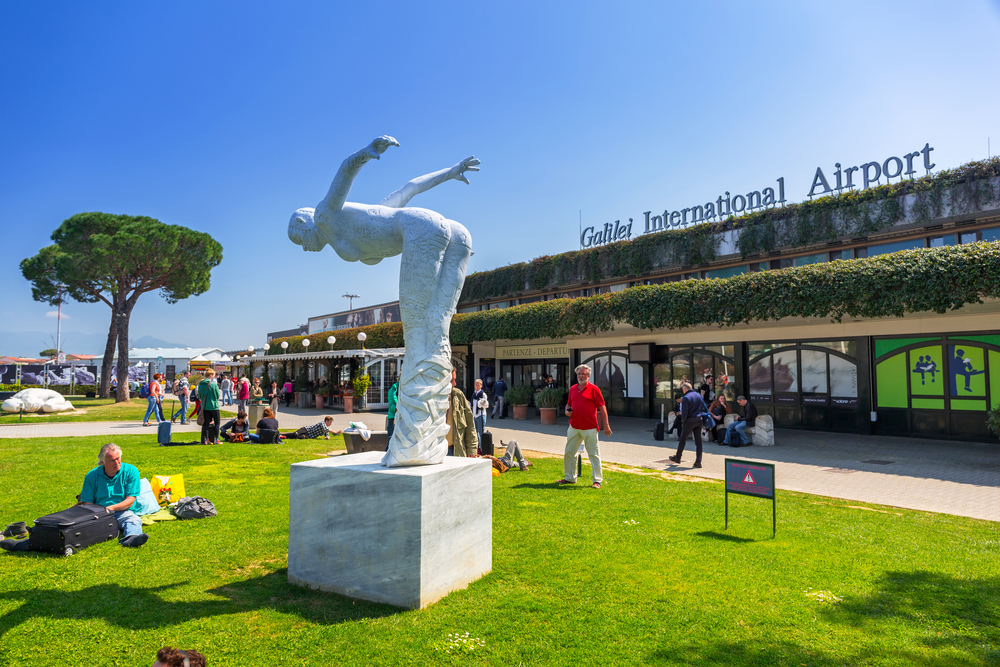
pixel 692 408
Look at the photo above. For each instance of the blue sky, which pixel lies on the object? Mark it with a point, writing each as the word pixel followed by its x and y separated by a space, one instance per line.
pixel 227 116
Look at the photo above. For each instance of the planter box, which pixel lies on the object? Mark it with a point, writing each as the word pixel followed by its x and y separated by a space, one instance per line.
pixel 348 404
pixel 548 415
pixel 320 402
pixel 520 412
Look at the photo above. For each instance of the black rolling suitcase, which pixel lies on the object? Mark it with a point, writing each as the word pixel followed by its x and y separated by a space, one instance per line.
pixel 658 431
pixel 163 432
pixel 486 446
pixel 72 529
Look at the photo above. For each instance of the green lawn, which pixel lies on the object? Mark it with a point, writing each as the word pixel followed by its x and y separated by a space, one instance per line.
pixel 90 410
pixel 640 572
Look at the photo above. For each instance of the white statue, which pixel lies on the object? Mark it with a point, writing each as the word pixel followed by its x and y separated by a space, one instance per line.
pixel 37 400
pixel 435 254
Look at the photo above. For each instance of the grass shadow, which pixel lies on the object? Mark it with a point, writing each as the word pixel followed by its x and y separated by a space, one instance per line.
pixel 962 615
pixel 271 591
pixel 549 486
pixel 723 536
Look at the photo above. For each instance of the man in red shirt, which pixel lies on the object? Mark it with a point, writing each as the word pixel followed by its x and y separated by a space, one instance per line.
pixel 585 403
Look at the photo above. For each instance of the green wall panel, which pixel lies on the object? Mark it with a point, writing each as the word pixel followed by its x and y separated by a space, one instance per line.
pixel 891 379
pixel 992 340
pixel 887 345
pixel 994 378
pixel 967 405
pixel 928 404
pixel 927 371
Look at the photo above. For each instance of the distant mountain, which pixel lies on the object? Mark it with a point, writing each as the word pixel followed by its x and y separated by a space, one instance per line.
pixel 149 341
pixel 30 343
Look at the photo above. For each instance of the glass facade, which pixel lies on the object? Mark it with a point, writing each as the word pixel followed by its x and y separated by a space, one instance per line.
pixel 808 384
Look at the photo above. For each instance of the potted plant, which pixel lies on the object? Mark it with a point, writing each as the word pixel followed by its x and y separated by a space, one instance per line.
pixel 519 397
pixel 361 383
pixel 993 420
pixel 549 400
pixel 321 393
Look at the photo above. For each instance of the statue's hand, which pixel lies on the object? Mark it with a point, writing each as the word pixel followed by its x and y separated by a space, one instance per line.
pixel 380 145
pixel 458 171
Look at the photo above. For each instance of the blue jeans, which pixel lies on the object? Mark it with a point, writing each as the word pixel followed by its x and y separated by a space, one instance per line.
pixel 227 396
pixel 129 522
pixel 480 423
pixel 739 427
pixel 182 413
pixel 151 410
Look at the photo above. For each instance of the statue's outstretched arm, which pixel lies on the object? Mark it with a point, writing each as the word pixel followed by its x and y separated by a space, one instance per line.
pixel 349 168
pixel 402 196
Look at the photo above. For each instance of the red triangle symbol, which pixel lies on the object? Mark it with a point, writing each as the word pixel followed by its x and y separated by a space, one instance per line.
pixel 748 479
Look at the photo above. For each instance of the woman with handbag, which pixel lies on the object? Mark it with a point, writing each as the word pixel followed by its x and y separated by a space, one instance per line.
pixel 237 430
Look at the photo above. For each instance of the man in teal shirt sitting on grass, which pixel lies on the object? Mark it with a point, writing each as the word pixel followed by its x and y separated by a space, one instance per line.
pixel 115 486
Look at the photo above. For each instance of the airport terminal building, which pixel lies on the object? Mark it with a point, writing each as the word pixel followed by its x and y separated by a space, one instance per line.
pixel 925 373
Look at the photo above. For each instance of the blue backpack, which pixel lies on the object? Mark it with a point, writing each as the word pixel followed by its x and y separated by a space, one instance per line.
pixel 144 391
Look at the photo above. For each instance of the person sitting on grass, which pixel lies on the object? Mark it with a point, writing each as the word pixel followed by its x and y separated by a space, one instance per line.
pixel 266 423
pixel 239 427
pixel 316 430
pixel 174 657
pixel 114 486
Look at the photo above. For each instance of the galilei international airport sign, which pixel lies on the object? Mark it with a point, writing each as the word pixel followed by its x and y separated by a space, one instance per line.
pixel 863 176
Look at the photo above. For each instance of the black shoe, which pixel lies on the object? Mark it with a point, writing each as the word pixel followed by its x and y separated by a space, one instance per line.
pixel 675 459
pixel 14 545
pixel 696 465
pixel 135 540
pixel 16 530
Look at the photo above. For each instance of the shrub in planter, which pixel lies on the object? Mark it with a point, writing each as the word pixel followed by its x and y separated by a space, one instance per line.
pixel 519 397
pixel 550 397
pixel 993 420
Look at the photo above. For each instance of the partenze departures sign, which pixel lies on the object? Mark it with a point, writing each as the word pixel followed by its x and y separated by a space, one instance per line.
pixel 728 205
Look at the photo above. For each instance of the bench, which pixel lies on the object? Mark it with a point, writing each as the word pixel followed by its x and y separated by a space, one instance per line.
pixel 761 433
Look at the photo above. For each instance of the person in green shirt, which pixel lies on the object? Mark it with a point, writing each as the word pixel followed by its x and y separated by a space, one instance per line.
pixel 114 486
pixel 390 418
pixel 209 393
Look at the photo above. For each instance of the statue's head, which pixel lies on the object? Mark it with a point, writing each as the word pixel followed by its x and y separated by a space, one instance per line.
pixel 302 230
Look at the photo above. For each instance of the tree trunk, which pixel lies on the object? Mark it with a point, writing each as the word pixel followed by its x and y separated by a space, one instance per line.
pixel 109 354
pixel 121 325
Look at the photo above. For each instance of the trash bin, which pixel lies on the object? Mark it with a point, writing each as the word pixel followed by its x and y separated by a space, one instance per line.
pixel 378 442
pixel 256 414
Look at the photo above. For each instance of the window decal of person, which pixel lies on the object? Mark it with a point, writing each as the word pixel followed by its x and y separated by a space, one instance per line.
pixel 925 365
pixel 962 365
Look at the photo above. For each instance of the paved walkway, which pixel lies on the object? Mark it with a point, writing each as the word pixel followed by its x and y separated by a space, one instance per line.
pixel 951 477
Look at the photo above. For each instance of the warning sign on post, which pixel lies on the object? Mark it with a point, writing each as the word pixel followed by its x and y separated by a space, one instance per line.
pixel 750 478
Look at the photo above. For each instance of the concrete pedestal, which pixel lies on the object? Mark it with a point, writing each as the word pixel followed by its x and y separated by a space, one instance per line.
pixel 403 536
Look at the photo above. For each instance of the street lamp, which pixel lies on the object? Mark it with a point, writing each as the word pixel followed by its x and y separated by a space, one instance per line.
pixel 266 347
pixel 305 343
pixel 331 340
pixel 284 346
pixel 362 337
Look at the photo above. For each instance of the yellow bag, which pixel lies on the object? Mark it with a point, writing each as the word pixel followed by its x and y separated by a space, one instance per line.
pixel 167 488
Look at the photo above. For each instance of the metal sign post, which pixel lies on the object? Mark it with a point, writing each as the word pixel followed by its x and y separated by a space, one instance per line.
pixel 749 478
